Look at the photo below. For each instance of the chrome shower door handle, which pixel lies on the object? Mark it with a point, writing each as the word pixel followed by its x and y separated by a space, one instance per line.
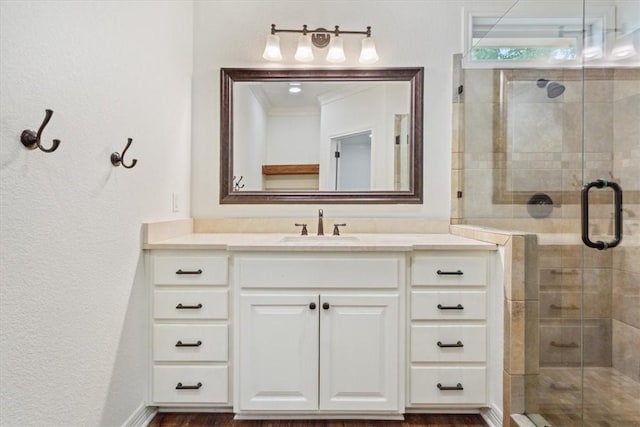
pixel 617 214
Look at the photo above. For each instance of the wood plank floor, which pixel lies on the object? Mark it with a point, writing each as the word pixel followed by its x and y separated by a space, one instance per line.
pixel 226 420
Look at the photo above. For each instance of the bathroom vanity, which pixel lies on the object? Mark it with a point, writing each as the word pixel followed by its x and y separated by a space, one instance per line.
pixel 280 325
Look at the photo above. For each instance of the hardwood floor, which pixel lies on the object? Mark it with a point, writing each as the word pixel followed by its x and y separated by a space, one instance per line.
pixel 226 420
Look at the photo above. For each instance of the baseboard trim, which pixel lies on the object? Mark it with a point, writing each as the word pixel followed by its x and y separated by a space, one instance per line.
pixel 363 416
pixel 493 416
pixel 141 417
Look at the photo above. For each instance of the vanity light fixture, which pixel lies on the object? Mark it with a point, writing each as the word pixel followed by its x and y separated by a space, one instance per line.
pixel 320 38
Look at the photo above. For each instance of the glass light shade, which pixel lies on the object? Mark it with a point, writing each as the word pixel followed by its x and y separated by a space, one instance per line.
pixel 368 54
pixel 272 48
pixel 591 50
pixel 304 52
pixel 623 49
pixel 336 51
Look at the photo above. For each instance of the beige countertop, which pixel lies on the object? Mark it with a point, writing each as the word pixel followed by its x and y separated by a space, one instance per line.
pixel 379 242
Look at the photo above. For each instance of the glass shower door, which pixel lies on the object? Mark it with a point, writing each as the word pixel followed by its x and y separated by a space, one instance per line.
pixel 554 108
pixel 610 386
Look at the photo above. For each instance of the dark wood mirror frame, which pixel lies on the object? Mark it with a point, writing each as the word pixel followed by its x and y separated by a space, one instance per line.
pixel 228 76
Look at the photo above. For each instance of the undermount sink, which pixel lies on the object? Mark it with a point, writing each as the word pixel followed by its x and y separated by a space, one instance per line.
pixel 319 239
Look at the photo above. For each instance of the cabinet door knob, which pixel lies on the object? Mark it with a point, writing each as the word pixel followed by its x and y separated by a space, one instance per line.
pixel 312 306
pixel 326 306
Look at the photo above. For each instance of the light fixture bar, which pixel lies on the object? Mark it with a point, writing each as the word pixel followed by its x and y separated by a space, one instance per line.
pixel 320 38
pixel 305 30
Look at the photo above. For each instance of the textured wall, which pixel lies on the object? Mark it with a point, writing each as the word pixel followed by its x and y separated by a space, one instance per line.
pixel 72 298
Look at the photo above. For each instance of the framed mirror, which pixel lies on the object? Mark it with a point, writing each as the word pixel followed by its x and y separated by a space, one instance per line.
pixel 321 135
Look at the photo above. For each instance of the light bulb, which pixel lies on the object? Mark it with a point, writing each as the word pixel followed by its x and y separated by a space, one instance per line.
pixel 623 48
pixel 592 49
pixel 368 54
pixel 304 52
pixel 272 48
pixel 336 51
pixel 294 87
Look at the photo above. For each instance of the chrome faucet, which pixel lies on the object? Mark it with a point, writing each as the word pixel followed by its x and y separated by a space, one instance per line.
pixel 320 225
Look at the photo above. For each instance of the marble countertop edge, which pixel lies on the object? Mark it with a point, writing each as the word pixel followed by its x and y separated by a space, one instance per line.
pixel 382 242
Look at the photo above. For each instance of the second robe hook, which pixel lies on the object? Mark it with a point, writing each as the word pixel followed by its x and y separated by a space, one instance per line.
pixel 117 159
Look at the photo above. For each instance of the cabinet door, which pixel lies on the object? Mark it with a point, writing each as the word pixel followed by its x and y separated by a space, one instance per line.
pixel 279 352
pixel 359 345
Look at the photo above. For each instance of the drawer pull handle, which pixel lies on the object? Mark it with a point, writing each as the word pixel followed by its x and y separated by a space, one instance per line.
pixel 312 306
pixel 194 344
pixel 561 345
pixel 450 307
pixel 456 387
pixel 458 344
pixel 326 306
pixel 181 271
pixel 179 386
pixel 188 307
pixel 450 273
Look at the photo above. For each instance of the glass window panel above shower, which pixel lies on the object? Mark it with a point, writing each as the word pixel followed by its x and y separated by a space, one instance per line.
pixel 555 34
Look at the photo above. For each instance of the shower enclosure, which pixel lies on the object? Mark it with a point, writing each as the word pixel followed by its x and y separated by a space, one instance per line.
pixel 551 125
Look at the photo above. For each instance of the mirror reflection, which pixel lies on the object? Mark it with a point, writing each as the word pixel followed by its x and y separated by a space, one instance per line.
pixel 321 136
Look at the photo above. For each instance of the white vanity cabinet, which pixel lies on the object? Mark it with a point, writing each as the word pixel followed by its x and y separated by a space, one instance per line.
pixel 316 334
pixel 448 329
pixel 373 327
pixel 190 328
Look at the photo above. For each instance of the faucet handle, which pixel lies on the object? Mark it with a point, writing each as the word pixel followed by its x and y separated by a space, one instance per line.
pixel 336 230
pixel 304 229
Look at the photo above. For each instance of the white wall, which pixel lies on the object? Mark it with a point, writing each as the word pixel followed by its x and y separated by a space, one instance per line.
pixel 292 137
pixel 72 298
pixel 249 154
pixel 407 33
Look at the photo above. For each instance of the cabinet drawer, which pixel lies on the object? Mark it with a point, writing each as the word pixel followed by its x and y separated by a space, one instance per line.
pixel 190 343
pixel 448 343
pixel 425 380
pixel 209 304
pixel 445 271
pixel 437 305
pixel 329 271
pixel 193 270
pixel 210 384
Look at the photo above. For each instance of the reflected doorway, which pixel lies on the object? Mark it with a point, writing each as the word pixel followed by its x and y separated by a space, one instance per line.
pixel 352 154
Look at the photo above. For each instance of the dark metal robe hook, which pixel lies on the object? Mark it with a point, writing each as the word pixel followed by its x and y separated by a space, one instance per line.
pixel 117 159
pixel 236 184
pixel 31 139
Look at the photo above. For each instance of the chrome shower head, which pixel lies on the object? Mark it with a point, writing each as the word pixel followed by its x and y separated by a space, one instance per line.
pixel 554 89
